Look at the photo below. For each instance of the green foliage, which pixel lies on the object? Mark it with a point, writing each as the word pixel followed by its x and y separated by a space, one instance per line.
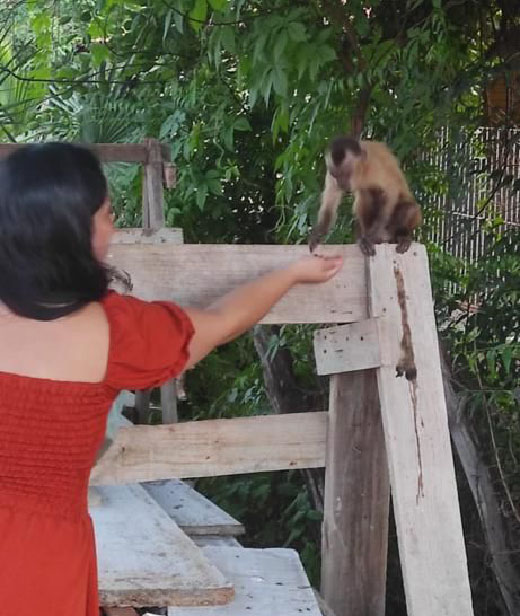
pixel 247 93
pixel 275 510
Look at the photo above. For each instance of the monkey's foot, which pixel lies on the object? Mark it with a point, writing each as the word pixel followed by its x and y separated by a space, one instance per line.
pixel 366 246
pixel 403 243
pixel 409 371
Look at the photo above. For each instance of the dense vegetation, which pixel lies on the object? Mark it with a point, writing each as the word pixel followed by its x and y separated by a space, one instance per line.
pixel 247 92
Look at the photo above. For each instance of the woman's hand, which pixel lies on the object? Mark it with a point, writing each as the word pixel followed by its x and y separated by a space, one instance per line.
pixel 315 268
pixel 241 308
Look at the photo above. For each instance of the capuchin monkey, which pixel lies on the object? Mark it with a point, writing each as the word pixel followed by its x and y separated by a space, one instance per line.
pixel 384 208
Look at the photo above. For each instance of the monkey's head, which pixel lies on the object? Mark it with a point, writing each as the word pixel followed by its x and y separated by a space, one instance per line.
pixel 342 157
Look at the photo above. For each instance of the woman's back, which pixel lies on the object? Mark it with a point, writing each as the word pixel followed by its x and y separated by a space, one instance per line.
pixel 72 348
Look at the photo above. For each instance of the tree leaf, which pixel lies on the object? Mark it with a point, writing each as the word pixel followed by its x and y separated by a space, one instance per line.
pixel 198 14
pixel 218 5
pixel 297 32
pixel 507 356
pixel 167 23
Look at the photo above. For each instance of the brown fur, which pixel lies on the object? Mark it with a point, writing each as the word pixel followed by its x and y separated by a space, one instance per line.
pixel 384 208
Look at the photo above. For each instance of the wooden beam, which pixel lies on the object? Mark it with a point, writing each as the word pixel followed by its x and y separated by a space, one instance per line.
pixel 191 511
pixel 357 494
pixel 169 411
pixel 214 447
pixel 431 544
pixel 145 559
pixel 347 348
pixel 153 191
pixel 269 582
pixel 196 275
pixel 107 152
pixel 148 236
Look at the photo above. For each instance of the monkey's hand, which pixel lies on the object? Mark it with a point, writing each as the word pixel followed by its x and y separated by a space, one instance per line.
pixel 366 246
pixel 315 237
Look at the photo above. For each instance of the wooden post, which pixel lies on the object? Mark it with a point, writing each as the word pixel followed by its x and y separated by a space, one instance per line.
pixel 154 218
pixel 355 526
pixel 153 213
pixel 413 408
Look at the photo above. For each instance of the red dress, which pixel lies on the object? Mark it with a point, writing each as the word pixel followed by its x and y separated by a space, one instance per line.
pixel 50 432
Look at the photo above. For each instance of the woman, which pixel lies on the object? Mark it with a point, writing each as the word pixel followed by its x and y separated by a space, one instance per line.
pixel 67 347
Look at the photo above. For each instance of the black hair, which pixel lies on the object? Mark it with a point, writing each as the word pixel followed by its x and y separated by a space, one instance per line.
pixel 49 193
pixel 340 145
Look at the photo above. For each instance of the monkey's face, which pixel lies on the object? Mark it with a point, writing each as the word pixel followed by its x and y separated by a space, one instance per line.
pixel 343 171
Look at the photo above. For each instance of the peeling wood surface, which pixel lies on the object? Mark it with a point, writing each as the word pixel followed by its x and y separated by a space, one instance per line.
pixel 347 348
pixel 196 275
pixel 357 496
pixel 268 582
pixel 107 152
pixel 191 511
pixel 145 559
pixel 148 236
pixel 214 447
pixel 422 477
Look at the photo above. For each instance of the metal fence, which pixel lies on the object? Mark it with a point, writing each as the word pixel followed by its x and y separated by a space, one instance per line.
pixel 479 189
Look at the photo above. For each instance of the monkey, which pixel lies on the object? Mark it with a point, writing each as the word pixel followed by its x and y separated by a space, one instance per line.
pixel 384 208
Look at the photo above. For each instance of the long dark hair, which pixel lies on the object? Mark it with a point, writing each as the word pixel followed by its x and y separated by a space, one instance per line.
pixel 49 193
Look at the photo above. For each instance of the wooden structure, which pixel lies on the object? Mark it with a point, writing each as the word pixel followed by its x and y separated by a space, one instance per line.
pixel 387 311
pixel 380 432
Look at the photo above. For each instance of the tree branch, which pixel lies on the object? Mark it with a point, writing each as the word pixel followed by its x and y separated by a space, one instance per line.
pixel 286 396
pixel 481 485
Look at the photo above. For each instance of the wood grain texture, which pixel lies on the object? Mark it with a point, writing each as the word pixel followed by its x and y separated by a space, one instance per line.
pixel 424 491
pixel 357 494
pixel 215 540
pixel 107 152
pixel 268 582
pixel 196 275
pixel 169 411
pixel 148 236
pixel 145 559
pixel 153 191
pixel 214 447
pixel 347 348
pixel 191 511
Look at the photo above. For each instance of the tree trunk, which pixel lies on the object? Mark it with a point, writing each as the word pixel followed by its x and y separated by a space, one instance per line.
pixel 480 482
pixel 286 396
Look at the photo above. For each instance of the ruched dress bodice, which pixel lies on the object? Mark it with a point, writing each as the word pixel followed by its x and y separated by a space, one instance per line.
pixel 50 432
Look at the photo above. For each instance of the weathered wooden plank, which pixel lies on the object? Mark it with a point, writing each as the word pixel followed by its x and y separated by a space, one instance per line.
pixel 214 447
pixel 148 236
pixel 119 611
pixel 169 402
pixel 191 511
pixel 347 348
pixel 424 491
pixel 205 540
pixel 142 405
pixel 196 275
pixel 145 559
pixel 268 582
pixel 153 187
pixel 357 494
pixel 107 152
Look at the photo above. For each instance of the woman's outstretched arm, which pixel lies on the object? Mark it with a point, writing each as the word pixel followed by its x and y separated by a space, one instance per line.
pixel 240 309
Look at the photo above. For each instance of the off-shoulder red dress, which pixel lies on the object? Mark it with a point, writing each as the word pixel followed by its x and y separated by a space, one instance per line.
pixel 50 432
